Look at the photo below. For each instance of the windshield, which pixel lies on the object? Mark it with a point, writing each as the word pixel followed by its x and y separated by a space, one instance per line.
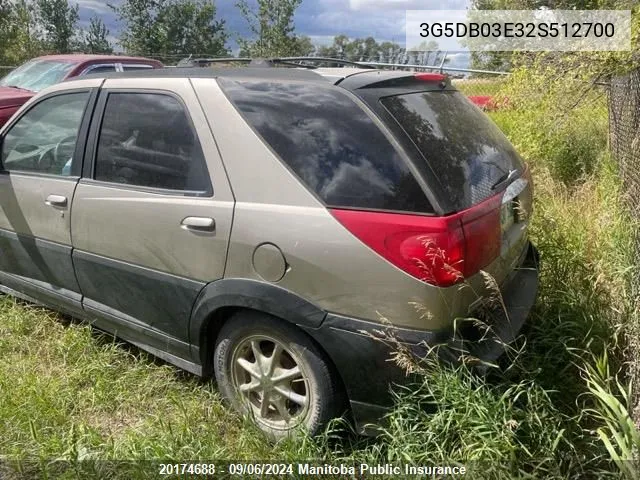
pixel 464 148
pixel 37 75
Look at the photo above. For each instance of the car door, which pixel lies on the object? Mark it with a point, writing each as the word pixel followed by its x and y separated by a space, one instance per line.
pixel 152 214
pixel 41 163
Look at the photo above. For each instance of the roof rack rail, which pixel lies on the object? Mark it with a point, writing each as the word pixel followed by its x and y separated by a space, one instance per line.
pixel 323 60
pixel 298 62
pixel 203 62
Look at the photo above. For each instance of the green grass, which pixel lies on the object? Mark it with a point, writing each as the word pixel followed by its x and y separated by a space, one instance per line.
pixel 71 393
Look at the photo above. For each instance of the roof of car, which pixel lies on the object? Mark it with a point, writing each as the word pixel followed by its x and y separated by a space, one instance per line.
pixel 336 74
pixel 262 73
pixel 82 57
pixel 351 78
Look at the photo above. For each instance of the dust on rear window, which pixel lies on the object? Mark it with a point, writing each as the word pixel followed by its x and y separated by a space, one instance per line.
pixel 466 151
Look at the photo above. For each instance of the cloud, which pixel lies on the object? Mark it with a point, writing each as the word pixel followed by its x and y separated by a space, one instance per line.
pixel 319 19
pixel 321 39
pixel 408 5
pixel 94 6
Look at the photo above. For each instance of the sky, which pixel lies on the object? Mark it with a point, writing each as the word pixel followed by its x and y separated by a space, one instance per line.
pixel 319 19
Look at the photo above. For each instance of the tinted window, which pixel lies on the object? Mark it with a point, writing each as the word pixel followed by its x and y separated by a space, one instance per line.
pixel 44 139
pixel 136 67
pixel 101 69
pixel 148 140
pixel 37 75
pixel 330 143
pixel 467 151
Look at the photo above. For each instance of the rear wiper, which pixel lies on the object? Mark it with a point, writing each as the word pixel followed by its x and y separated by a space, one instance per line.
pixel 504 179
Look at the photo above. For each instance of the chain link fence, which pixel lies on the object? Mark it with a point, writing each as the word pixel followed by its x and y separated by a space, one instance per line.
pixel 624 135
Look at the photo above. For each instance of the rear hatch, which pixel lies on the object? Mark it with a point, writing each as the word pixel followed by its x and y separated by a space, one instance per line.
pixel 439 193
pixel 473 175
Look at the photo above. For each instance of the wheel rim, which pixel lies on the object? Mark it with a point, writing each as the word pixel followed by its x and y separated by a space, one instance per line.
pixel 271 381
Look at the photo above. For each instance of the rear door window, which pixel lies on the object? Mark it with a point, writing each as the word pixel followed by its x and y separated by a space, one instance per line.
pixel 466 151
pixel 101 69
pixel 330 143
pixel 147 140
pixel 126 67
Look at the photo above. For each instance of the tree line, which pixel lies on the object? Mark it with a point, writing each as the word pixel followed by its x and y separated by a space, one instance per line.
pixel 506 61
pixel 174 28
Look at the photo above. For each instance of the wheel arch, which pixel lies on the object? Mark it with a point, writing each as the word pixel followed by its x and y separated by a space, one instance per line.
pixel 219 300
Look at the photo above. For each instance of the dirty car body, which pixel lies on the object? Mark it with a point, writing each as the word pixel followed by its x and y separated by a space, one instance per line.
pixel 258 224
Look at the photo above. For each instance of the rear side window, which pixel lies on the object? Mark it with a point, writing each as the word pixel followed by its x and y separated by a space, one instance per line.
pixel 126 67
pixel 101 69
pixel 467 151
pixel 147 139
pixel 330 143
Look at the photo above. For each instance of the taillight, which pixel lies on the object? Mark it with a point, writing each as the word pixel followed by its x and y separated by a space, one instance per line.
pixel 429 77
pixel 441 251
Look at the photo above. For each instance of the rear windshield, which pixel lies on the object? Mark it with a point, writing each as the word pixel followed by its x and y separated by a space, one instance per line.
pixel 466 151
pixel 330 143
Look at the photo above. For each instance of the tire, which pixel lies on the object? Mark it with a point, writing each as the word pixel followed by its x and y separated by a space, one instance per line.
pixel 256 357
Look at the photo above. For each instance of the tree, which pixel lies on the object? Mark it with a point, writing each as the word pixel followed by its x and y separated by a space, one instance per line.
pixel 58 20
pixel 504 61
pixel 171 27
pixel 189 27
pixel 18 38
pixel 362 49
pixel 390 51
pixel 138 35
pixel 303 47
pixel 95 39
pixel 6 28
pixel 271 23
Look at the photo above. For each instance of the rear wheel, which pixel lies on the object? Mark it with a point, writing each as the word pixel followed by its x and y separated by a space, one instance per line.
pixel 273 372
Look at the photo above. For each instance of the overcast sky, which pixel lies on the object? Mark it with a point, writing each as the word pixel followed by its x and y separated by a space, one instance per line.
pixel 319 19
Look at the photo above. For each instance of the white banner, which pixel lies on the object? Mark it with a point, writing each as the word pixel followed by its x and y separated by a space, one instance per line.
pixel 511 30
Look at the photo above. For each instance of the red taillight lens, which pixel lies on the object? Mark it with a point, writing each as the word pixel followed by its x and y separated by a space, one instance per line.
pixel 441 251
pixel 482 234
pixel 429 77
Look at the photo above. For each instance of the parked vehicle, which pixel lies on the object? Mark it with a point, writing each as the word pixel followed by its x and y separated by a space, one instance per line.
pixel 489 103
pixel 255 224
pixel 25 81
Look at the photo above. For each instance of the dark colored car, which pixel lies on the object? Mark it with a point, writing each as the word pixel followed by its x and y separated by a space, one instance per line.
pixel 25 81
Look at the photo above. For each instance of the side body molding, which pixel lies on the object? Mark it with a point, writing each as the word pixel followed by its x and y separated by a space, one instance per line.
pixel 237 292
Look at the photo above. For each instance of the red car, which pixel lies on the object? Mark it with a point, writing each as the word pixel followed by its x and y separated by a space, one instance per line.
pixel 25 81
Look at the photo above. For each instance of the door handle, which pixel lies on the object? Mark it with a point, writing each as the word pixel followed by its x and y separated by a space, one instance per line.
pixel 201 224
pixel 56 201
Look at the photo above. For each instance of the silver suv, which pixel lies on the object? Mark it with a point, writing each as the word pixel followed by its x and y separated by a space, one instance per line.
pixel 257 223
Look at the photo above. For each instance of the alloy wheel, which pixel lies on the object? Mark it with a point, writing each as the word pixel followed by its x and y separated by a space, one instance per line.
pixel 271 381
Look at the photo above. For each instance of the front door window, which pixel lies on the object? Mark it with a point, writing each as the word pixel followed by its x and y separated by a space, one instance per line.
pixel 44 139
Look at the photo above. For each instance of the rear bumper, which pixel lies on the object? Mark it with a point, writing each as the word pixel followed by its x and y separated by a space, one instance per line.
pixel 365 362
pixel 502 325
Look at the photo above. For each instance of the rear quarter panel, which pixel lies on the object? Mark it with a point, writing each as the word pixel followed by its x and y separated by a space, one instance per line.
pixel 326 264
